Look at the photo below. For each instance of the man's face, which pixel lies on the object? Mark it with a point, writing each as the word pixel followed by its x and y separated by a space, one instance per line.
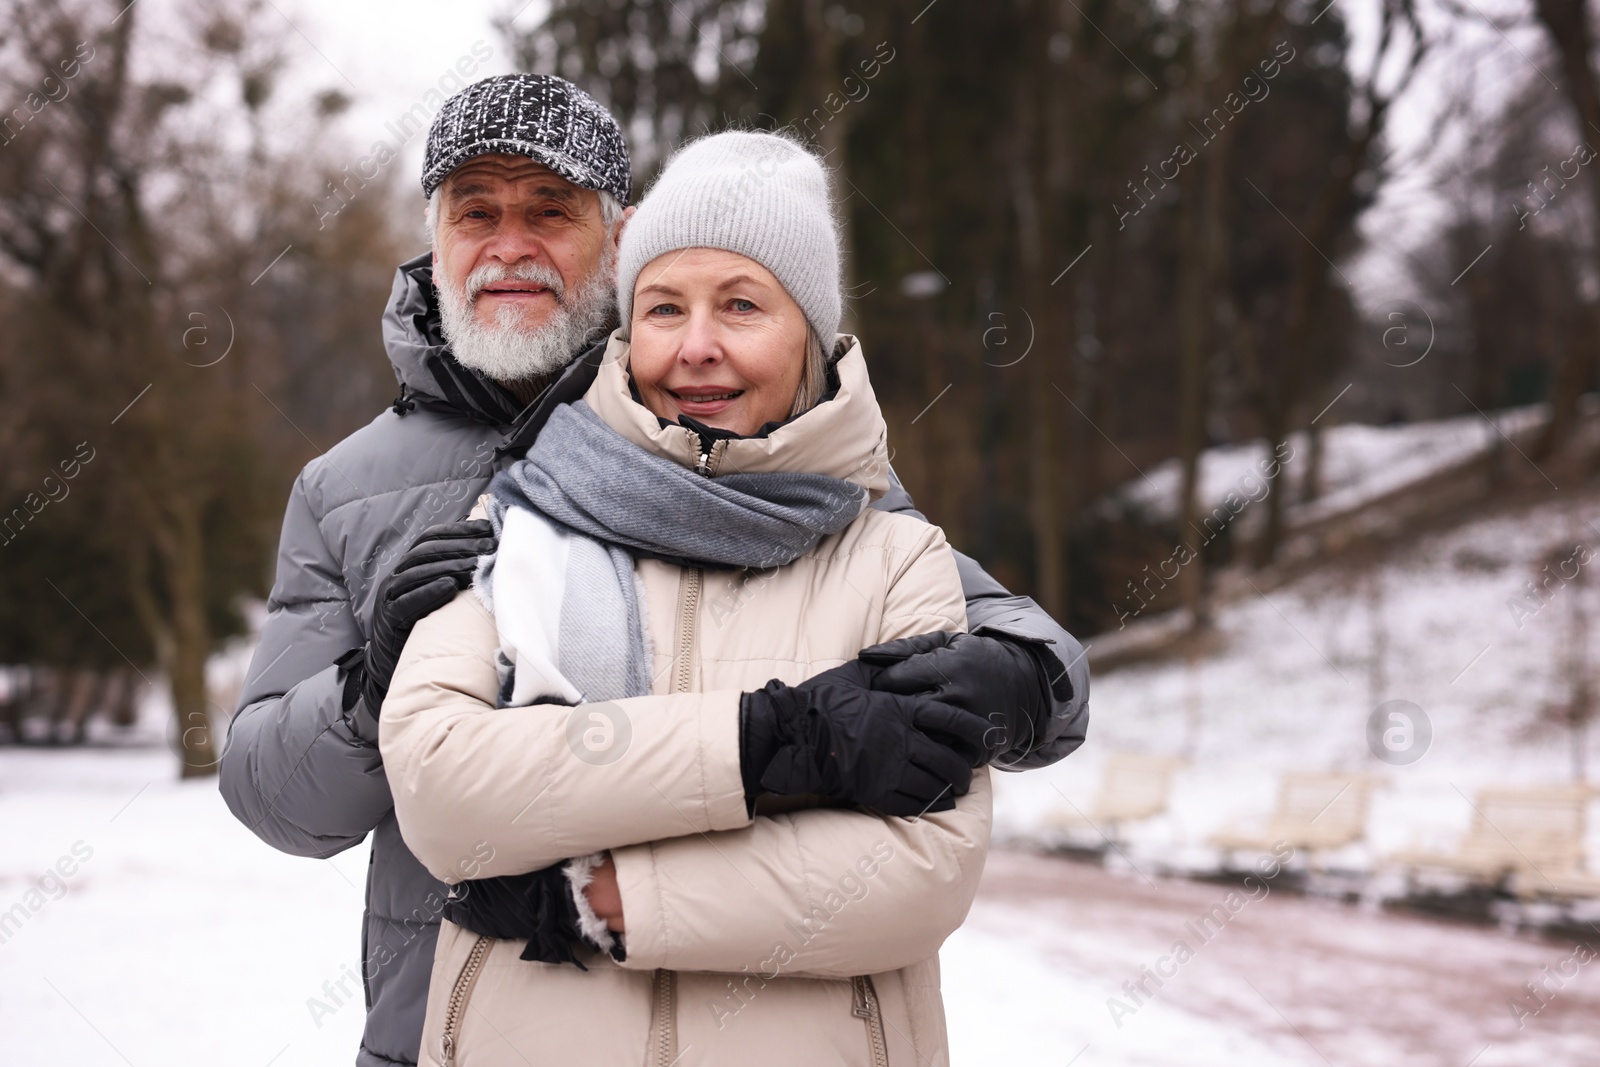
pixel 523 264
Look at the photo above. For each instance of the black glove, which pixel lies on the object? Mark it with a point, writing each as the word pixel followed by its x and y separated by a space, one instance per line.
pixel 835 736
pixel 438 564
pixel 1009 682
pixel 537 906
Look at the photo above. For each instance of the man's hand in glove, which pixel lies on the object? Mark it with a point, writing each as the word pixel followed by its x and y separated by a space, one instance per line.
pixel 1007 682
pixel 836 736
pixel 437 565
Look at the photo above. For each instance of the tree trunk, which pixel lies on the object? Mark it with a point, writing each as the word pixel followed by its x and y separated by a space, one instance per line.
pixel 1320 230
pixel 1206 226
pixel 821 80
pixel 1580 686
pixel 1569 24
pixel 1044 408
pixel 1278 419
pixel 172 604
pixel 191 644
pixel 1574 374
pixel 1276 522
pixel 1052 319
pixel 1311 479
pixel 1193 388
pixel 1377 633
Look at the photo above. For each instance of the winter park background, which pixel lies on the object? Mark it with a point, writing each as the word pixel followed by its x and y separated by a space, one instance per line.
pixel 1298 430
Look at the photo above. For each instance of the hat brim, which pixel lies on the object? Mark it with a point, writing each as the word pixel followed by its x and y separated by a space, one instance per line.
pixel 562 164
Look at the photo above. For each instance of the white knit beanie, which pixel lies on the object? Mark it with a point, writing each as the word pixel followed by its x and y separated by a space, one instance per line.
pixel 752 193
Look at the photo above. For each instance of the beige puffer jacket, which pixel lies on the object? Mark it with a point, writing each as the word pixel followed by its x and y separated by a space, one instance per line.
pixel 804 938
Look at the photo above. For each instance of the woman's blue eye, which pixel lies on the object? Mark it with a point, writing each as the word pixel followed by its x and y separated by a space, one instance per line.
pixel 664 309
pixel 741 304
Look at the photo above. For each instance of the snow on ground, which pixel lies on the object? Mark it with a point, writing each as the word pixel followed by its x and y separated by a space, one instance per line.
pixel 179 939
pixel 1360 463
pixel 169 934
pixel 1286 981
pixel 1295 682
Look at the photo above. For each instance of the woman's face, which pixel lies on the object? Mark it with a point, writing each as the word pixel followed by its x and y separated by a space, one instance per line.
pixel 715 337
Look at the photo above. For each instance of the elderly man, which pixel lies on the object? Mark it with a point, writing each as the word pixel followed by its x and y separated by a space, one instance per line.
pixel 527 179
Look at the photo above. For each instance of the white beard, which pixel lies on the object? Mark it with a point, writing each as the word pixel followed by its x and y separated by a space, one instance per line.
pixel 506 351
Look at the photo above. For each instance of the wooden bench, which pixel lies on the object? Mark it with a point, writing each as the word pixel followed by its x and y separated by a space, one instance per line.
pixel 1133 786
pixel 1314 812
pixel 1529 840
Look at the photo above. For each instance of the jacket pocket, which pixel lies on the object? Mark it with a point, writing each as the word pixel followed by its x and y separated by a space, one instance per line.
pixel 460 993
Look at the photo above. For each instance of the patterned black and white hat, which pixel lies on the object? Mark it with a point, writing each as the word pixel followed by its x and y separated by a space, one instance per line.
pixel 545 118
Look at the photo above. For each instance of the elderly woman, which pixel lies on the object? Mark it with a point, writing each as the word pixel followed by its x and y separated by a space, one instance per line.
pixel 725 869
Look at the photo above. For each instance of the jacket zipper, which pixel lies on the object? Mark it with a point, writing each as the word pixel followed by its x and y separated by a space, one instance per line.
pixel 688 607
pixel 665 989
pixel 665 1025
pixel 664 1036
pixel 866 1007
pixel 458 998
pixel 709 453
pixel 693 583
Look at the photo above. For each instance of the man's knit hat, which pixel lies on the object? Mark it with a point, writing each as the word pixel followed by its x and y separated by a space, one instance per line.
pixel 545 118
pixel 752 193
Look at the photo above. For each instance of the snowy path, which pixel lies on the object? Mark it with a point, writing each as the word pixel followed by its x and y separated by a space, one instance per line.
pixel 181 940
pixel 1288 980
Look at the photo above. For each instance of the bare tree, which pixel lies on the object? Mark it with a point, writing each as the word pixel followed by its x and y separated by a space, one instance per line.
pixel 1229 47
pixel 1402 45
pixel 1570 25
pixel 1575 710
pixel 139 220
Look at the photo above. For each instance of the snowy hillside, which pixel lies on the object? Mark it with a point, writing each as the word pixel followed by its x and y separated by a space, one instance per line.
pixel 1360 463
pixel 1295 679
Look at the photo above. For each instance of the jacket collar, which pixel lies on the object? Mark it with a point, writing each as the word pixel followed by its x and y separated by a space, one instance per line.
pixel 843 437
pixel 571 385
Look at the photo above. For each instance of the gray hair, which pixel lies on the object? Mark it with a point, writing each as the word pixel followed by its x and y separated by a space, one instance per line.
pixel 610 214
pixel 813 376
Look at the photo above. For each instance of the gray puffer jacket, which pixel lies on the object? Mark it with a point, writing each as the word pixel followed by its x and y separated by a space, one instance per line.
pixel 297 773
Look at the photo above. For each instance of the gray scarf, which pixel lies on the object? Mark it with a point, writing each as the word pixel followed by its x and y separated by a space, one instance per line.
pixel 603 500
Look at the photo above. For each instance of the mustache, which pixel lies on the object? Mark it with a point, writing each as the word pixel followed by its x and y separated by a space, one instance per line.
pixel 537 273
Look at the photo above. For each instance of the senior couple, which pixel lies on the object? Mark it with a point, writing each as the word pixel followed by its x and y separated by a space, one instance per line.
pixel 674 749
